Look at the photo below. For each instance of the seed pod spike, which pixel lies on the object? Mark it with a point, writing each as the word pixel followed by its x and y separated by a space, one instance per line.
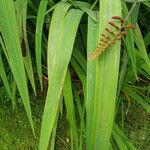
pixel 107 40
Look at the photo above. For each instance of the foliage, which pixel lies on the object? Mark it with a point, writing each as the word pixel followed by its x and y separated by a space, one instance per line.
pixel 44 49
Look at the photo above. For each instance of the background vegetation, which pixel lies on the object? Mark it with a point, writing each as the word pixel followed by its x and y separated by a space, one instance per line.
pixel 52 97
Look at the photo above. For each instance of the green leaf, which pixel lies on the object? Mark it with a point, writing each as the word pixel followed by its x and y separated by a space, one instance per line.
pixel 91 82
pixel 122 141
pixel 5 80
pixel 68 97
pixel 27 58
pixel 102 81
pixel 59 55
pixel 81 74
pixel 8 26
pixel 129 42
pixel 141 46
pixel 38 40
pixel 136 97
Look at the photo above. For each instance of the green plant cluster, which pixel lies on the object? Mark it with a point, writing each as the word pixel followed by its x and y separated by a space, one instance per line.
pixel 52 97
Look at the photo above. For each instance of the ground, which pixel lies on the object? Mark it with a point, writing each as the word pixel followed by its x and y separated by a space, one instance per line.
pixel 16 133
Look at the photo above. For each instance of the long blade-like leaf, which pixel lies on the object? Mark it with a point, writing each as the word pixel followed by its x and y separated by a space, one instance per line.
pixel 68 97
pixel 8 26
pixel 102 81
pixel 38 42
pixel 59 54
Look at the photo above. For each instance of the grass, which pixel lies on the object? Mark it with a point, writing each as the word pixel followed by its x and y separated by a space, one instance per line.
pixel 15 128
pixel 136 126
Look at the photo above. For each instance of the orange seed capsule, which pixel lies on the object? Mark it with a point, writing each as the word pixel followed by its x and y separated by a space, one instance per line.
pixel 104 35
pixel 123 33
pixel 102 44
pixel 103 40
pixel 107 37
pixel 113 42
pixel 114 25
pixel 118 37
pixel 131 26
pixel 118 18
pixel 108 30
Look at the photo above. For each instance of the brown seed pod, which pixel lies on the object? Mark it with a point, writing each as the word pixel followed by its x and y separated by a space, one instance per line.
pixel 107 37
pixel 118 18
pixel 104 35
pixel 104 40
pixel 100 47
pixel 124 33
pixel 103 44
pixel 118 37
pixel 110 31
pixel 113 42
pixel 114 25
pixel 131 26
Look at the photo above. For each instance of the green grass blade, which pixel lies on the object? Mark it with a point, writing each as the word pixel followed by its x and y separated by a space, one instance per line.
pixel 147 4
pixel 91 71
pixel 107 81
pixel 146 39
pixel 123 69
pixel 27 58
pixel 136 97
pixel 38 39
pixel 68 97
pixel 81 111
pixel 122 139
pixel 59 54
pixel 86 8
pixel 21 16
pixel 81 74
pixel 5 81
pixel 129 42
pixel 8 26
pixel 55 33
pixel 53 137
pixel 120 143
pixel 102 83
pixel 81 60
pixel 141 46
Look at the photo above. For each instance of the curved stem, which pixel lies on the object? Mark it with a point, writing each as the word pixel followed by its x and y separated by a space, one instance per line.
pixel 133 6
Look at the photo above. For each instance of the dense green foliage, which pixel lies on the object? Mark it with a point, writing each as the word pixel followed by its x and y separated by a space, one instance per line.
pixel 44 45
